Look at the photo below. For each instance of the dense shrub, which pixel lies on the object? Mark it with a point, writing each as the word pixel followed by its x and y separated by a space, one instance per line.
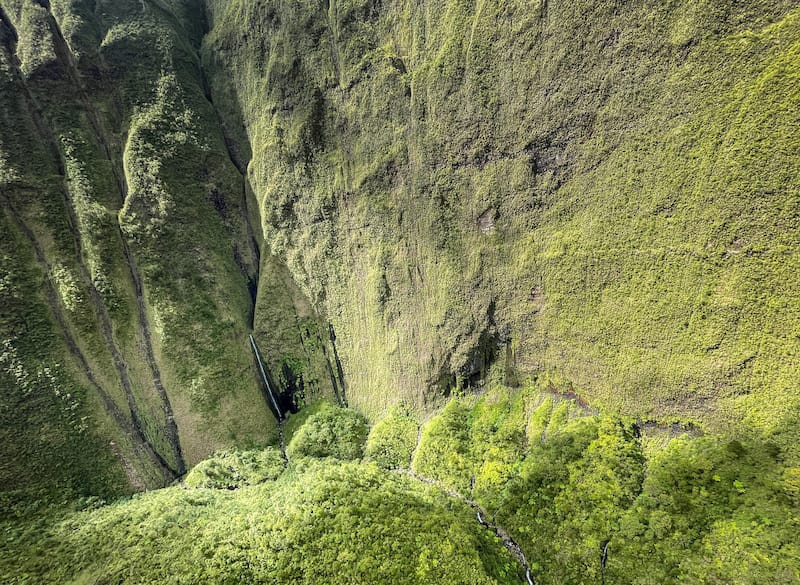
pixel 585 502
pixel 333 432
pixel 329 522
pixel 444 449
pixel 234 469
pixel 392 440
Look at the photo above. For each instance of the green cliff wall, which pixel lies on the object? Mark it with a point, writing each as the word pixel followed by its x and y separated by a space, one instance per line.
pixel 129 260
pixel 602 189
pixel 607 189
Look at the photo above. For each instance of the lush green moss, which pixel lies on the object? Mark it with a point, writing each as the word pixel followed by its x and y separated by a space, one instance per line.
pixel 49 445
pixel 584 503
pixel 608 193
pixel 605 191
pixel 296 420
pixel 694 509
pixel 497 439
pixel 114 159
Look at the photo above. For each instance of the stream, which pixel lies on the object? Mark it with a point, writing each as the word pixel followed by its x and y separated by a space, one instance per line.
pixel 481 516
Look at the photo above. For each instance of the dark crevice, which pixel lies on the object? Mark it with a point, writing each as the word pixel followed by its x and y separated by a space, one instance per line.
pixel 339 368
pixel 299 400
pixel 171 427
pixel 12 31
pixel 493 343
pixel 675 429
pixel 267 383
pixel 329 367
pixel 252 289
pixel 251 275
pixel 294 393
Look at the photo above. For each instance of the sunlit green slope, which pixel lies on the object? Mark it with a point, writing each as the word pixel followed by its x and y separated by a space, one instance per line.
pixel 242 518
pixel 493 488
pixel 605 188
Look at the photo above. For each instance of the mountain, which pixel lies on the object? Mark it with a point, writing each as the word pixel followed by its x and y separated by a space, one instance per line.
pixel 605 191
pixel 407 204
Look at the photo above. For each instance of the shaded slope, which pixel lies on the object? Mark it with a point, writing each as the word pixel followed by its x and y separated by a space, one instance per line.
pixel 118 176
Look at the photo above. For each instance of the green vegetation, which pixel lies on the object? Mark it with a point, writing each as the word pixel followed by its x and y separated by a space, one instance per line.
pixel 330 432
pixel 392 440
pixel 444 448
pixel 317 523
pixel 433 178
pixel 585 504
pixel 558 185
pixel 698 510
pixel 527 224
pixel 235 469
pixel 123 196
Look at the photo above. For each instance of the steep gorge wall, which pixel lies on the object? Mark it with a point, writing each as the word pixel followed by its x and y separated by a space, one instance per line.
pixel 129 268
pixel 604 188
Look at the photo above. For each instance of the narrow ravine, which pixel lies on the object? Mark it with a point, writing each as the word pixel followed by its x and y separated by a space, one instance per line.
pixel 269 395
pixel 235 158
pixel 481 516
pixel 339 368
pixel 67 60
pixel 132 428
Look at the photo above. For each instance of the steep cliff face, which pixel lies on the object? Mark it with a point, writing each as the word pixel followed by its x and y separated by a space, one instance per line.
pixel 130 262
pixel 444 188
pixel 607 189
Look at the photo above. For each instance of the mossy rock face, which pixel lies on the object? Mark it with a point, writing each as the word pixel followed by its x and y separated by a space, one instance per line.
pixel 433 178
pixel 131 258
pixel 452 193
pixel 332 432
